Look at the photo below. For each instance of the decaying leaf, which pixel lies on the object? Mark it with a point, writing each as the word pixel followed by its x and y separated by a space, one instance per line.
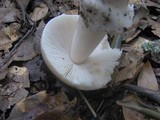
pixel 9 14
pixel 147 77
pixel 76 3
pixel 3 74
pixel 5 42
pixel 19 75
pixel 133 36
pixel 8 35
pixel 23 5
pixel 39 12
pixel 132 115
pixel 35 73
pixel 155 26
pixel 130 57
pixel 25 51
pixel 137 45
pixel 153 3
pixel 8 4
pixel 72 12
pixel 129 66
pixel 41 105
pixel 37 37
pixel 129 72
pixel 157 72
pixel 134 103
pixel 14 91
pixel 12 31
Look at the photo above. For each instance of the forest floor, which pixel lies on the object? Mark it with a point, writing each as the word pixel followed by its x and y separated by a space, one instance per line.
pixel 29 91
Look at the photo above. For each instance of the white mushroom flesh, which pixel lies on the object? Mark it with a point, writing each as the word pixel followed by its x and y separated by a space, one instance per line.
pixel 56 43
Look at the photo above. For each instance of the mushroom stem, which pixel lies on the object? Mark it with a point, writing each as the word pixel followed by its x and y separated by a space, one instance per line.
pixel 117 41
pixel 85 40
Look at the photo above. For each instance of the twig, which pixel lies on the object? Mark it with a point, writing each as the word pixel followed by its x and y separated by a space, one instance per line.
pixel 100 105
pixel 2 117
pixel 13 51
pixel 153 95
pixel 88 104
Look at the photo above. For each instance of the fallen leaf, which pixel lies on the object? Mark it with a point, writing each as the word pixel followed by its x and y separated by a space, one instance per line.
pixel 132 115
pixel 37 37
pixel 134 103
pixel 129 72
pixel 76 3
pixel 147 77
pixel 8 4
pixel 157 72
pixel 25 51
pixel 19 75
pixel 39 12
pixel 14 90
pixel 23 5
pixel 130 57
pixel 3 74
pixel 33 66
pixel 154 4
pixel 12 31
pixel 5 42
pixel 72 12
pixel 133 36
pixel 9 14
pixel 138 44
pixel 155 26
pixel 143 24
pixel 41 105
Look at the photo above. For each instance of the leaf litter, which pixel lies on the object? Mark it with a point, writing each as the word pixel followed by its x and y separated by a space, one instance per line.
pixel 21 67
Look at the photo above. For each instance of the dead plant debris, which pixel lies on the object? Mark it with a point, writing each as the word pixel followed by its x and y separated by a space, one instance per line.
pixel 23 74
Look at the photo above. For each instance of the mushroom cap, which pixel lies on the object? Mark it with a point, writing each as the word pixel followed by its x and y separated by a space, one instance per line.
pixel 112 16
pixel 56 42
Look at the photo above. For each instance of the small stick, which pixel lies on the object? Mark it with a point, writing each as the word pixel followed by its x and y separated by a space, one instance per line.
pixel 100 105
pixel 153 95
pixel 13 51
pixel 88 104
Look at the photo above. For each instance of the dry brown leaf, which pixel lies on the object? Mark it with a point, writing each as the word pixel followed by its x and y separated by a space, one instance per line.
pixel 23 5
pixel 133 36
pixel 8 35
pixel 25 51
pixel 39 12
pixel 129 72
pixel 143 24
pixel 130 57
pixel 3 74
pixel 138 43
pixel 12 31
pixel 5 42
pixel 155 26
pixel 41 105
pixel 19 75
pixel 37 37
pixel 35 73
pixel 157 72
pixel 76 3
pixel 72 12
pixel 8 14
pixel 147 77
pixel 132 115
pixel 154 4
pixel 8 4
pixel 131 104
pixel 13 92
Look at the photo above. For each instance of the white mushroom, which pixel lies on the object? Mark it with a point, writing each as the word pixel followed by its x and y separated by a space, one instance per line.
pixel 72 45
